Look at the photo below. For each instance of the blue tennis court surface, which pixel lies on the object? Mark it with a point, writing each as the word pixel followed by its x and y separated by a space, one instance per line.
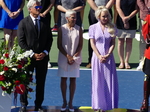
pixel 130 89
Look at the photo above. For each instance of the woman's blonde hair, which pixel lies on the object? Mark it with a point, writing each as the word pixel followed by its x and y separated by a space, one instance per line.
pixel 109 25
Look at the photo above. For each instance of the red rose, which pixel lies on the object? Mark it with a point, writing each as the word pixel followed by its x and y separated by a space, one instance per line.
pixel 30 89
pixel 17 82
pixel 3 88
pixel 5 68
pixel 2 61
pixel 19 66
pixel 20 89
pixel 2 77
pixel 7 55
pixel 22 62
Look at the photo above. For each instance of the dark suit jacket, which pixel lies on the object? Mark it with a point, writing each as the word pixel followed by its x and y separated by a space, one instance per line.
pixel 29 39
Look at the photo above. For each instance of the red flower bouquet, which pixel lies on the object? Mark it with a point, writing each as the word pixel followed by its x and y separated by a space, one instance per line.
pixel 13 69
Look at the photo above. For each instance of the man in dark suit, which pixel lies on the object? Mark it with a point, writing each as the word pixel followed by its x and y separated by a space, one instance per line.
pixel 34 34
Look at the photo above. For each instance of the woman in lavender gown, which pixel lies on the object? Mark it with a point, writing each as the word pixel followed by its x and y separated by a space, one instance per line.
pixel 104 78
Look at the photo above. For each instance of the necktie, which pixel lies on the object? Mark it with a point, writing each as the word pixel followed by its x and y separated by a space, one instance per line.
pixel 36 25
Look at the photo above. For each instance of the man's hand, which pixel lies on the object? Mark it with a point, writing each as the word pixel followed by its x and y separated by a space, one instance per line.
pixel 39 57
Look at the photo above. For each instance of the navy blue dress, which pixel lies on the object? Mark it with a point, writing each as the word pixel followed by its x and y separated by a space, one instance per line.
pixel 127 7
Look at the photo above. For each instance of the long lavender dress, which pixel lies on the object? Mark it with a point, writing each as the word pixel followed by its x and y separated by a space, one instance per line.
pixel 104 77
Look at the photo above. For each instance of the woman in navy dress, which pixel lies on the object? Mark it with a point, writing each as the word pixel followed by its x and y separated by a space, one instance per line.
pixel 11 12
pixel 126 24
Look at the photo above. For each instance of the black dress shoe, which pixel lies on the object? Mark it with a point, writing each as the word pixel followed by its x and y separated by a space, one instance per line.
pixel 39 109
pixel 144 107
pixel 22 109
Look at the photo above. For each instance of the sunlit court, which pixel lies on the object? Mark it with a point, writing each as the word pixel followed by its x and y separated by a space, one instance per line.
pixel 130 81
pixel 130 92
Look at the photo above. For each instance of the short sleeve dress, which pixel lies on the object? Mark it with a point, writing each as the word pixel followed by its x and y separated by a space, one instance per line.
pixel 104 76
pixel 5 20
pixel 70 41
pixel 69 4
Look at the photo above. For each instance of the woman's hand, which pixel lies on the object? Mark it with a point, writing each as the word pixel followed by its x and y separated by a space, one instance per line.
pixel 126 22
pixel 126 25
pixel 125 19
pixel 70 59
pixel 11 15
pixel 102 59
pixel 106 56
pixel 42 15
pixel 15 14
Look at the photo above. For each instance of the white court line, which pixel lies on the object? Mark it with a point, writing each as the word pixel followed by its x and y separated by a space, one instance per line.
pixel 90 69
pixel 86 36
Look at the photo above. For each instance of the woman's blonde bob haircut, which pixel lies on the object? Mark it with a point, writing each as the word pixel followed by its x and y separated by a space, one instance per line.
pixel 109 25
